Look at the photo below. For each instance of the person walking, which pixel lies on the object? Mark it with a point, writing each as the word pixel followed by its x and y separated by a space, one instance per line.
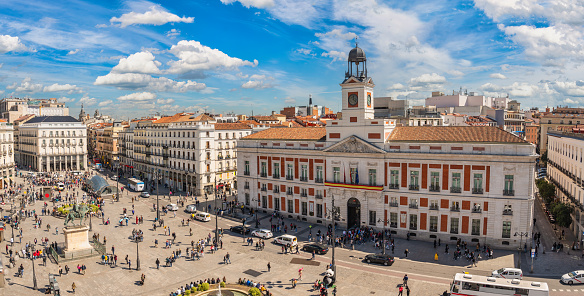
pixel 406 252
pixel 269 267
pixel 407 291
pixel 228 258
pixel 405 280
pixel 129 264
pixel 400 291
pixel 157 263
pixel 73 286
pixel 300 274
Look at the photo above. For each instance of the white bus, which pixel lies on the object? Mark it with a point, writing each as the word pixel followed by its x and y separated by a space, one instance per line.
pixel 477 285
pixel 135 184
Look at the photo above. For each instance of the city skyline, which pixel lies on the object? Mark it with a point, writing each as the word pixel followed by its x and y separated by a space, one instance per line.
pixel 145 56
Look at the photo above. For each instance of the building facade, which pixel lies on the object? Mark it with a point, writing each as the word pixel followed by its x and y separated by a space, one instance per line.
pixel 7 153
pixel 566 171
pixel 52 143
pixel 474 183
pixel 557 119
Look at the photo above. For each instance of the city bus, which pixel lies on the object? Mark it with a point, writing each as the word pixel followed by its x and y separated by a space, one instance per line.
pixel 476 285
pixel 135 184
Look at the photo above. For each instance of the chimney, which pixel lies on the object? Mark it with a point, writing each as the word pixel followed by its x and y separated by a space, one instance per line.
pixel 273 112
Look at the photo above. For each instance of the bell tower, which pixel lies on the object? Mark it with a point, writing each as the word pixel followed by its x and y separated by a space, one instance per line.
pixel 357 88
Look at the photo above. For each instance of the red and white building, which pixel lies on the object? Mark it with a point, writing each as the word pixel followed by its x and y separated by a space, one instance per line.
pixel 468 182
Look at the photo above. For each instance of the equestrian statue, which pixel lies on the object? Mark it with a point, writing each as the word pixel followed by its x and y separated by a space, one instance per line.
pixel 79 211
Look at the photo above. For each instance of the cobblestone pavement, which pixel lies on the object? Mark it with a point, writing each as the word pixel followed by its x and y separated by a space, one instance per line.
pixel 427 277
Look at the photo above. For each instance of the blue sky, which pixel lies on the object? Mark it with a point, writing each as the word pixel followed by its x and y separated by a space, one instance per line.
pixel 135 58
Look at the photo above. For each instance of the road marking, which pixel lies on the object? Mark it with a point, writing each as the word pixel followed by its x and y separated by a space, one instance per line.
pixel 568 290
pixel 553 290
pixel 561 290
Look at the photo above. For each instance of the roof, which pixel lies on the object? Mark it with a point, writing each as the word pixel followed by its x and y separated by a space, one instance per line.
pixel 183 117
pixel 265 118
pixel 40 119
pixel 289 133
pixel 231 126
pixel 477 134
pixel 24 117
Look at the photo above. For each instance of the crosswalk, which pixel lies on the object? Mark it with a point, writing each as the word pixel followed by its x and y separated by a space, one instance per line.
pixel 567 290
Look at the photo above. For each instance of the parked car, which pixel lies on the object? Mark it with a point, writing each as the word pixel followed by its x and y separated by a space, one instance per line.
pixel 262 233
pixel 172 207
pixel 574 277
pixel 508 273
pixel 191 208
pixel 239 229
pixel 144 194
pixel 317 248
pixel 114 177
pixel 384 259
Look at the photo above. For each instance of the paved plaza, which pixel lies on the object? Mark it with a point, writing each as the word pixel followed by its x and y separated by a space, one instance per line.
pixel 427 276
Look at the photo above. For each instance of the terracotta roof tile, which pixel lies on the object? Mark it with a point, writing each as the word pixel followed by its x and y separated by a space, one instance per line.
pixel 481 134
pixel 289 133
pixel 231 126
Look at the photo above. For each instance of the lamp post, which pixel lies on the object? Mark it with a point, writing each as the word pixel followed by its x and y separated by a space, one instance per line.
pixel 118 181
pixel 157 177
pixel 256 201
pixel 34 280
pixel 137 240
pixel 385 222
pixel 90 224
pixel 521 235
pixel 334 214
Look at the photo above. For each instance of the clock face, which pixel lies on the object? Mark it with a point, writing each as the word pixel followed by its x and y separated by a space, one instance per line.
pixel 369 100
pixel 353 99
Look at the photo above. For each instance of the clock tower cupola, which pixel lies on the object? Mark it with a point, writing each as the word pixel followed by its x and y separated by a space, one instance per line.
pixel 357 88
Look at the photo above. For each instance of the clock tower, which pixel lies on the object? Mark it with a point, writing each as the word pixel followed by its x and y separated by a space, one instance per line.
pixel 357 88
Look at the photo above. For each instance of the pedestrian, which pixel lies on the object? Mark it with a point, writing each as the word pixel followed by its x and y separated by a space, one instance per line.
pixel 228 257
pixel 269 267
pixel 157 263
pixel 406 252
pixel 405 280
pixel 129 264
pixel 313 255
pixel 300 273
pixel 401 291
pixel 73 287
pixel 407 291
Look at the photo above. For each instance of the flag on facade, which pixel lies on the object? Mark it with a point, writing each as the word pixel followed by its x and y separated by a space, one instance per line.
pixel 356 176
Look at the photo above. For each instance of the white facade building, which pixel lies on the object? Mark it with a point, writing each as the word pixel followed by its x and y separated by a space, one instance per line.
pixel 473 183
pixel 6 153
pixel 53 143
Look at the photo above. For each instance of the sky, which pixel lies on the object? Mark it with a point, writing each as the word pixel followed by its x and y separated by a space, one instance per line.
pixel 131 59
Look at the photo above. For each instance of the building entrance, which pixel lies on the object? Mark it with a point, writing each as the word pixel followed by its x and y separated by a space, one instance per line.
pixel 353 213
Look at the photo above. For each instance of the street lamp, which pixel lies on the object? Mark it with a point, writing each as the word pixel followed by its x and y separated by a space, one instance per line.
pixel 256 201
pixel 34 280
pixel 90 224
pixel 137 240
pixel 157 177
pixel 385 222
pixel 334 214
pixel 216 213
pixel 521 235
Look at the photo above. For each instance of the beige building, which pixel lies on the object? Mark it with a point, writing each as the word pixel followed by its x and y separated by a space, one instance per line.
pixel 6 154
pixel 106 146
pixel 52 143
pixel 557 119
pixel 473 183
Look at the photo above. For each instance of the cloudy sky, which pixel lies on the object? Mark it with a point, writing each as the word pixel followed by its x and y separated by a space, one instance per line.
pixel 135 58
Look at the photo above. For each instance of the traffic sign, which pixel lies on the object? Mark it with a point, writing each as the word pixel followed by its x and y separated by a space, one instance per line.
pixel 532 253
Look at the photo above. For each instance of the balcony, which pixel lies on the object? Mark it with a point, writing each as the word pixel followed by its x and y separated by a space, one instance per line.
pixel 303 179
pixel 289 177
pixel 455 209
pixel 508 212
pixel 434 188
pixel 477 210
pixel 263 175
pixel 434 207
pixel 393 224
pixel 455 190
pixel 509 192
pixel 477 191
pixel 289 192
pixel 318 180
pixel 393 204
pixel 318 196
pixel 413 206
pixel 246 187
pixel 264 189
pixel 414 187
pixel 246 173
pixel 276 176
pixel 393 186
pixel 304 194
pixel 276 190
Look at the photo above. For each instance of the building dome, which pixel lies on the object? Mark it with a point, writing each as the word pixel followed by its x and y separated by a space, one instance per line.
pixel 357 55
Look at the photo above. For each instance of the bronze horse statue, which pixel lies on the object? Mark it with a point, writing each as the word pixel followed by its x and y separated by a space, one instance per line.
pixel 79 211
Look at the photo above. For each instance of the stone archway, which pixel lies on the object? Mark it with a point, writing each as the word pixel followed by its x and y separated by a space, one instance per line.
pixel 353 213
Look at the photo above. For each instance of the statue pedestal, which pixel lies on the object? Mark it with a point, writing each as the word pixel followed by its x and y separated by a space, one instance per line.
pixel 77 241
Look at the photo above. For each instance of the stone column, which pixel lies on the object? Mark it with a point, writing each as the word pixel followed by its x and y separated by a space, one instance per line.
pixel 77 161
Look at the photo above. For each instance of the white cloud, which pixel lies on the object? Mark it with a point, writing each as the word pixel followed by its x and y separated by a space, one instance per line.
pixel 26 86
pixel 252 3
pixel 12 44
pixel 496 9
pixel 498 76
pixel 87 101
pixel 140 62
pixel 568 88
pixel 165 101
pixel 138 97
pixel 335 55
pixel 155 16
pixel 172 33
pixel 427 82
pixel 147 82
pixel 455 73
pixel 289 100
pixel 337 34
pixel 517 89
pixel 61 87
pixel 256 84
pixel 396 86
pixel 105 103
pixel 193 56
pixel 73 51
pixel 66 100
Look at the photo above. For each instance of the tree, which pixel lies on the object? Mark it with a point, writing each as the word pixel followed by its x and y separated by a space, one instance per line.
pixel 562 213
pixel 254 292
pixel 543 157
pixel 547 190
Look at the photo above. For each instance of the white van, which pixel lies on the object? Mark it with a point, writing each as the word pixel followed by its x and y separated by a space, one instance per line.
pixel 287 240
pixel 60 186
pixel 202 216
pixel 508 273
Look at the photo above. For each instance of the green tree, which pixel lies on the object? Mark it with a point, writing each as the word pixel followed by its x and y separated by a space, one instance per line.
pixel 543 157
pixel 562 213
pixel 547 190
